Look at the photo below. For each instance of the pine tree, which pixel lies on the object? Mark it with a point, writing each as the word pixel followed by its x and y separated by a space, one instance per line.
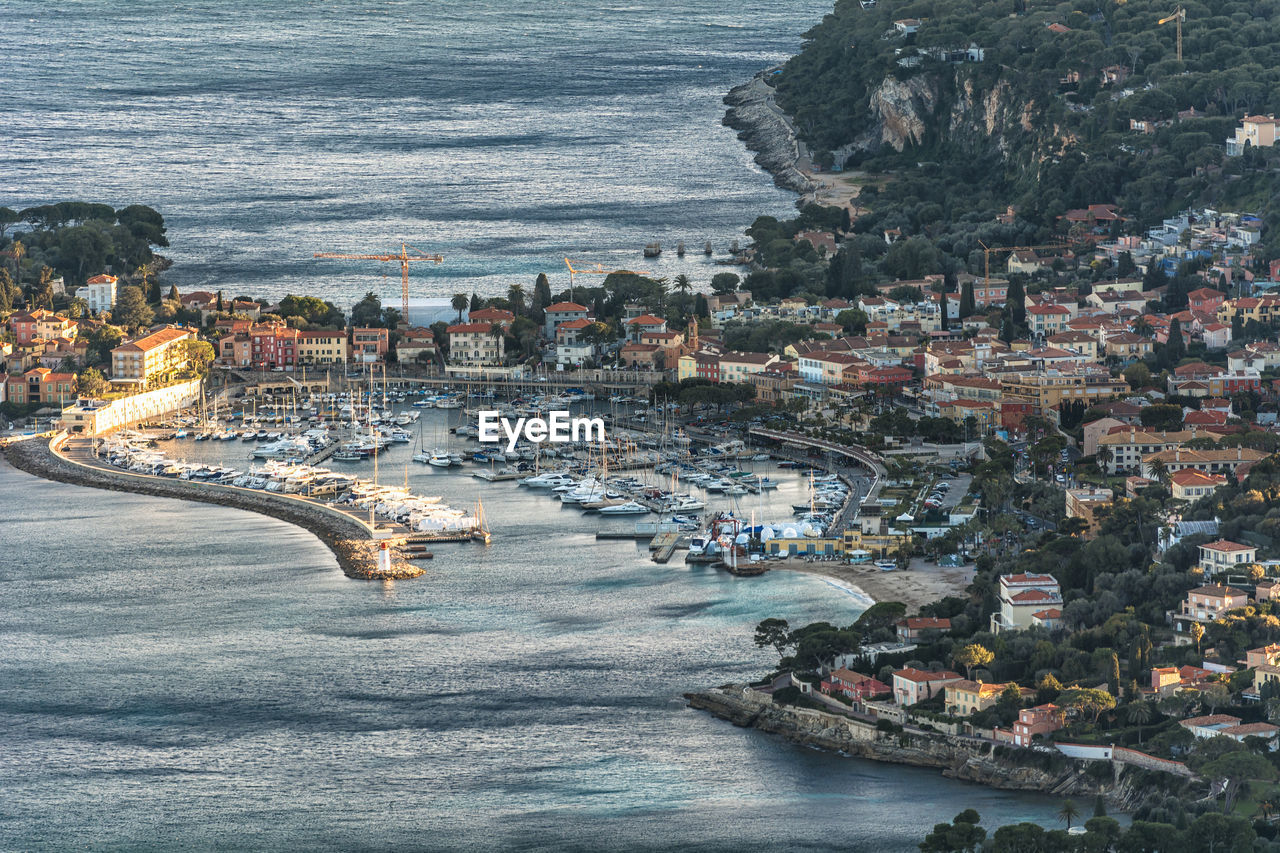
pixel 1015 304
pixel 1007 332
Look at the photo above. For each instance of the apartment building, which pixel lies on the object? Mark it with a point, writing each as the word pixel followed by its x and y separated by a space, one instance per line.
pixel 152 358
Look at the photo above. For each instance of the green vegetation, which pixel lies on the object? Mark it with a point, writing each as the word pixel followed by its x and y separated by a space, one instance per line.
pixel 1043 121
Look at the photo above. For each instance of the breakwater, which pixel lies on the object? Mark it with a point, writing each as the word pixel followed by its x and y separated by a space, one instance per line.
pixel 350 540
pixel 963 758
pixel 765 129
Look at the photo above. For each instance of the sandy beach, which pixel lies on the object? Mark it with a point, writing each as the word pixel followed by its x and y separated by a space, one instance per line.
pixel 922 583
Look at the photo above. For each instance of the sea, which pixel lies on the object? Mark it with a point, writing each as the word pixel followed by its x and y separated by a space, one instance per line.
pixel 183 676
pixel 179 675
pixel 503 136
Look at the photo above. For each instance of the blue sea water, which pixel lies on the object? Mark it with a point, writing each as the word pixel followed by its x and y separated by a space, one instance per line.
pixel 178 675
pixel 504 136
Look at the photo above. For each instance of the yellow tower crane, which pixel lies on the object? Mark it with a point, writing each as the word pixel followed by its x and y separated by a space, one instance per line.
pixel 404 257
pixel 1178 16
pixel 598 269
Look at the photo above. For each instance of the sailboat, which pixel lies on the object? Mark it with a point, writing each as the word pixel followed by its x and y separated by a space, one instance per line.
pixel 481 531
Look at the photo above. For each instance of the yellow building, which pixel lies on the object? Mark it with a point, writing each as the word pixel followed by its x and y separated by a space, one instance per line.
pixel 152 358
pixel 323 347
pixel 1043 391
pixel 964 698
pixel 1083 503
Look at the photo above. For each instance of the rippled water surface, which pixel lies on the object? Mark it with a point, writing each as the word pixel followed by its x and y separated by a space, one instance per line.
pixel 178 674
pixel 504 136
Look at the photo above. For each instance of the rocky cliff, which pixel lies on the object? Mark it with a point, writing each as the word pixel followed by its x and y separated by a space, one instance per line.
pixel 765 129
pixel 967 759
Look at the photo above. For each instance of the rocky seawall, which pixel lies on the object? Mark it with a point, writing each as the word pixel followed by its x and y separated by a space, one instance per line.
pixel 967 759
pixel 765 129
pixel 345 537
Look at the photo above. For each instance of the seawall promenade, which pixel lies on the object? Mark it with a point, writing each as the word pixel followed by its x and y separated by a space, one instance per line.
pixel 350 539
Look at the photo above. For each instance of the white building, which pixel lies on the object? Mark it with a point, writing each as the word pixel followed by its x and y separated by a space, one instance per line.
pixel 1021 597
pixel 100 293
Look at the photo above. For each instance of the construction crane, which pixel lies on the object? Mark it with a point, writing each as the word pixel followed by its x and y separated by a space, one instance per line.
pixel 988 251
pixel 598 269
pixel 404 258
pixel 1179 16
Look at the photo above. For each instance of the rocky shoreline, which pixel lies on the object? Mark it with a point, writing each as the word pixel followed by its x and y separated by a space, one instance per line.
pixel 765 129
pixel 346 538
pixel 966 759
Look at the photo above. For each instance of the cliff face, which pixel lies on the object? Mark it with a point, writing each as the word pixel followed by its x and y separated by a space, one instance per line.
pixel 960 758
pixel 950 107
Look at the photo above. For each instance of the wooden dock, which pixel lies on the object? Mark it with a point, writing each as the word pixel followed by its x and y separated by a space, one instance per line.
pixel 663 546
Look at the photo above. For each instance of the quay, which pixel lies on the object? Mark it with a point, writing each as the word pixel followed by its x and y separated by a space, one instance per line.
pixel 353 541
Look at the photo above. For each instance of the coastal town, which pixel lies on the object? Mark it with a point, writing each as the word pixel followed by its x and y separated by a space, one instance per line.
pixel 914 488
pixel 1056 481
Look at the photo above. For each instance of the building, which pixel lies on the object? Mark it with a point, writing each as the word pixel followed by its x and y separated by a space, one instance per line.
pixel 1225 556
pixel 741 366
pixel 1214 725
pixel 39 324
pixel 1084 503
pixel 40 385
pixel 1253 132
pixel 1043 391
pixel 1208 603
pixel 965 698
pixel 1021 596
pixel 493 316
pixel 914 628
pixel 96 417
pixel 1224 461
pixel 100 294
pixel 369 345
pixel 151 359
pixel 1191 484
pixel 273 347
pixel 475 345
pixel 326 346
pixel 1037 721
pixel 855 685
pixel 915 685
pixel 561 312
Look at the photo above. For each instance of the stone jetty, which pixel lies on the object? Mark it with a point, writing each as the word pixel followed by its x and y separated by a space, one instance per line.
pixel 350 540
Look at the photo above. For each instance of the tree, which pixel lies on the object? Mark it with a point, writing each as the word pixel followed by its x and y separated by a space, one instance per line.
pixel 962 835
pixel 1197 635
pixel 967 306
pixel 972 656
pixel 91 383
pixel 515 295
pixel 1068 812
pixel 1138 375
pixel 459 303
pixel 219 305
pixel 776 633
pixel 1087 700
pixel 724 282
pixel 173 292
pixel 1015 305
pixel 1139 714
pixel 1113 675
pixel 1236 768
pixel 131 310
pixel 367 312
pixel 1176 348
pixel 200 354
pixel 683 284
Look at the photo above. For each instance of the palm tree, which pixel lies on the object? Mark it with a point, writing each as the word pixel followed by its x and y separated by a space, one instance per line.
pixel 515 295
pixel 1103 456
pixel 1139 714
pixel 1160 472
pixel 1068 813
pixel 497 332
pixel 1142 326
pixel 460 303
pixel 683 284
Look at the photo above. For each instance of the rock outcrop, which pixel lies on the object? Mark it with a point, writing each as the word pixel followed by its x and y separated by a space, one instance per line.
pixel 766 130
pixel 968 759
